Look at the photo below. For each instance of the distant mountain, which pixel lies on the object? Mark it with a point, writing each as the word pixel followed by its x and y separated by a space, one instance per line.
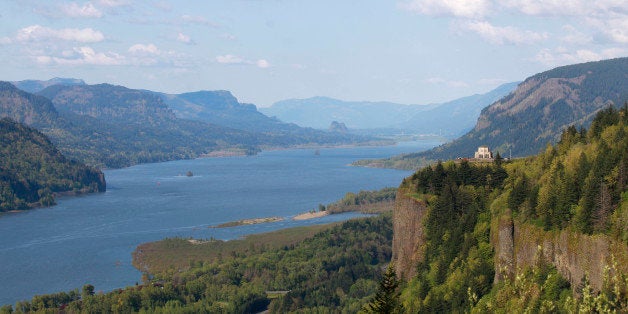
pixel 34 86
pixel 25 107
pixel 222 108
pixel 319 112
pixel 338 127
pixel 123 126
pixel 454 118
pixel 449 119
pixel 111 103
pixel 114 126
pixel 32 170
pixel 535 114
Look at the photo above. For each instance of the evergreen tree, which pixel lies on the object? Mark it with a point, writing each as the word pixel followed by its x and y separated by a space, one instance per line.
pixel 387 298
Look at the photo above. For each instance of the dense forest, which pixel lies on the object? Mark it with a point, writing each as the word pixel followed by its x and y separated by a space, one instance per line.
pixel 579 184
pixel 32 170
pixel 336 270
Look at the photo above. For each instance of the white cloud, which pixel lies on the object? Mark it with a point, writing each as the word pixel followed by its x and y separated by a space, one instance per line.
pixel 613 29
pixel 81 56
pixel 606 17
pixel 563 56
pixel 73 10
pixel 457 8
pixel 141 49
pixel 574 37
pixel 261 63
pixel 184 38
pixel 567 7
pixel 41 33
pixel 150 54
pixel 503 35
pixel 230 59
pixel 113 3
pixel 236 60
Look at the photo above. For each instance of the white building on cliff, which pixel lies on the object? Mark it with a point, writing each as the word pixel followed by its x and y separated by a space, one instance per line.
pixel 483 153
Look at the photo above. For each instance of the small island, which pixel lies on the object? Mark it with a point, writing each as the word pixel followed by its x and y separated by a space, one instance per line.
pixel 243 222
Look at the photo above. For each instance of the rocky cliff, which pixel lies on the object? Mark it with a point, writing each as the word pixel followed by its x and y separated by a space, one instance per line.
pixel 519 245
pixel 408 236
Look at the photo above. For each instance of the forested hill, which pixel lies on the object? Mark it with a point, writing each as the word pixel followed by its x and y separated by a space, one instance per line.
pixel 535 114
pixel 111 126
pixel 32 170
pixel 547 233
pixel 25 107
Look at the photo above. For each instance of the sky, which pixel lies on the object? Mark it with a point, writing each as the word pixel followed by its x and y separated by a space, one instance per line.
pixel 263 51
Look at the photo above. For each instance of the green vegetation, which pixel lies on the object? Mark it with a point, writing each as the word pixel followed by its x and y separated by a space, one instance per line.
pixel 32 170
pixel 580 185
pixel 113 126
pixel 386 299
pixel 336 269
pixel 579 182
pixel 178 253
pixel 541 289
pixel 534 114
pixel 458 257
pixel 364 201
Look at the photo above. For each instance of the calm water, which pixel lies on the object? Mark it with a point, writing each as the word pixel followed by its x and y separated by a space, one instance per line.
pixel 89 239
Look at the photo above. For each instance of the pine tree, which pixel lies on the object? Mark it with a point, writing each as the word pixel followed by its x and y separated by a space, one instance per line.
pixel 387 298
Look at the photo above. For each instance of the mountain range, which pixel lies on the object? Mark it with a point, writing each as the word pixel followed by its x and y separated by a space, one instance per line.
pixel 114 126
pixel 222 108
pixel 534 115
pixel 450 119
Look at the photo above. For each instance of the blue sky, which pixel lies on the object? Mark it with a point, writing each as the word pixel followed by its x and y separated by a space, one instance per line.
pixel 407 51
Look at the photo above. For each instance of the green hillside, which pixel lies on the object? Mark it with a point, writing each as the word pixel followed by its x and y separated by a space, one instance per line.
pixel 536 113
pixel 112 126
pixel 578 188
pixel 32 170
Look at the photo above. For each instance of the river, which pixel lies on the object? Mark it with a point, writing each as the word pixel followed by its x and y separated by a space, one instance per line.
pixel 89 239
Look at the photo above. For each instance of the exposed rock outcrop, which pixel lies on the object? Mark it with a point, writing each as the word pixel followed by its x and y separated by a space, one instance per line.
pixel 408 237
pixel 574 255
pixel 517 245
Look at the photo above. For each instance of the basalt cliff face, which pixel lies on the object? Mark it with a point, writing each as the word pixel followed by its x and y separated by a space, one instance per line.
pixel 516 245
pixel 408 236
pixel 519 245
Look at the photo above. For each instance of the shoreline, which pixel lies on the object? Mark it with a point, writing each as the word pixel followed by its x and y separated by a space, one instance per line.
pixel 249 221
pixel 310 215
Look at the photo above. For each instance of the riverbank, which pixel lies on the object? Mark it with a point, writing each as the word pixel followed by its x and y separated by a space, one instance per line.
pixel 310 215
pixel 243 222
